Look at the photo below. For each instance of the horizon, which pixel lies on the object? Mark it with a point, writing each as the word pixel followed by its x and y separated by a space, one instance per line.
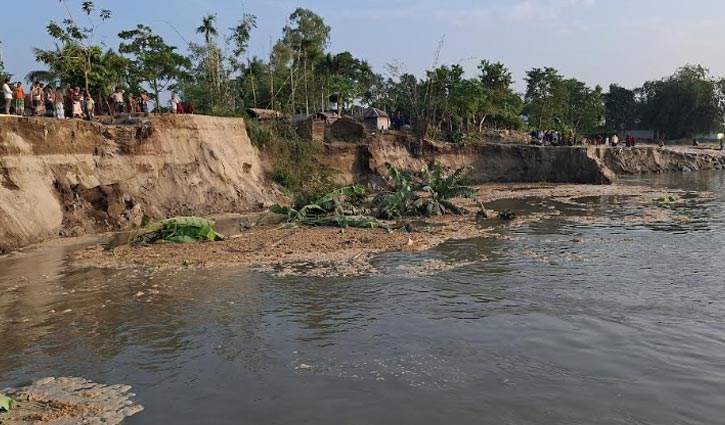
pixel 594 45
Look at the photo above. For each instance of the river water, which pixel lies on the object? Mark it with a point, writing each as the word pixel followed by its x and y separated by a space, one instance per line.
pixel 564 323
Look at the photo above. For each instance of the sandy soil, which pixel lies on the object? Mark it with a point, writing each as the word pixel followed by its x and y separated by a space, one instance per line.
pixel 334 252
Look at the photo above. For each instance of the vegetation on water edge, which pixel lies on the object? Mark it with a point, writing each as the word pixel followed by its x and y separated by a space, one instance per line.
pixel 177 230
pixel 428 195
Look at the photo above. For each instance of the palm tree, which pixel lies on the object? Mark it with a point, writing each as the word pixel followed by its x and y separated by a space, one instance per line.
pixel 207 28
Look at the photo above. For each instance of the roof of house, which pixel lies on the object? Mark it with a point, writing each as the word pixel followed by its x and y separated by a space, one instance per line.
pixel 375 113
pixel 264 114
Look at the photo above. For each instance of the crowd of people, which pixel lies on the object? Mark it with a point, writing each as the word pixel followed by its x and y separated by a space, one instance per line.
pixel 556 138
pixel 75 102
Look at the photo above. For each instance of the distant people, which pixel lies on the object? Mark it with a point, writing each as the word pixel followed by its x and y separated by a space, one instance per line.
pixel 131 103
pixel 50 99
pixel 174 103
pixel 77 107
pixel 144 102
pixel 189 107
pixel 117 101
pixel 90 107
pixel 695 142
pixel 36 97
pixel 58 108
pixel 615 140
pixel 19 93
pixel 7 95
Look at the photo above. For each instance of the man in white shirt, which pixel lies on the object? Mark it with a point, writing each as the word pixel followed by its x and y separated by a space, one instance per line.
pixel 7 95
pixel 174 103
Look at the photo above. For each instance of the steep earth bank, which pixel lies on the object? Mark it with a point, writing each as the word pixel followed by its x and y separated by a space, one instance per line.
pixel 492 163
pixel 60 178
pixel 71 177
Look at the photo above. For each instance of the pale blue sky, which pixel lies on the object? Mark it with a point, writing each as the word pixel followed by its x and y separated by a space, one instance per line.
pixel 598 41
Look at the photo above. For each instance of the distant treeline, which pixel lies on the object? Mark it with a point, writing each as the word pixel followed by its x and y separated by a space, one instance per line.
pixel 302 76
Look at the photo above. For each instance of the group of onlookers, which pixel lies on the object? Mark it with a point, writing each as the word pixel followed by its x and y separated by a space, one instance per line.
pixel 555 138
pixel 76 103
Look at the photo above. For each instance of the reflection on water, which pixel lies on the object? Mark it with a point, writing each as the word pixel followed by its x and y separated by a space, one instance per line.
pixel 563 323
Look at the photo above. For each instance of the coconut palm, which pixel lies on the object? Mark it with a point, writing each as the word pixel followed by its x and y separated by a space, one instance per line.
pixel 207 28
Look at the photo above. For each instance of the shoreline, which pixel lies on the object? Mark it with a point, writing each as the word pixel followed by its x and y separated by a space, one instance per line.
pixel 333 252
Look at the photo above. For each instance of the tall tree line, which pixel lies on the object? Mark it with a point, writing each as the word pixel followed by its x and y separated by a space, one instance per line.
pixel 301 76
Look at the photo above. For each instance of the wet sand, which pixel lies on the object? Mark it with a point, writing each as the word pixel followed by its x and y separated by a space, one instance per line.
pixel 328 251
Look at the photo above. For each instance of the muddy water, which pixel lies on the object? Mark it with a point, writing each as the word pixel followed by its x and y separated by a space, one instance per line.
pixel 564 323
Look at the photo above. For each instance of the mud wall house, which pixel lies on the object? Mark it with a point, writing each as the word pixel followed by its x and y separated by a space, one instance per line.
pixel 310 128
pixel 376 119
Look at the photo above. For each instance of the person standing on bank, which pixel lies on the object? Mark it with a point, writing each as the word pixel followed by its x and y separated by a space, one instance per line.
pixel 7 95
pixel 174 103
pixel 19 99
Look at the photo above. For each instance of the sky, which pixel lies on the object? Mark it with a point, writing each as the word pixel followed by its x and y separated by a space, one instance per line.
pixel 597 41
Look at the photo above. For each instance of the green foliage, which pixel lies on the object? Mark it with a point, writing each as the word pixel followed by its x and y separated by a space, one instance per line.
pixel 3 75
pixel 295 164
pixel 403 198
pixel 666 200
pixel 399 200
pixel 153 61
pixel 75 51
pixel 688 103
pixel 553 102
pixel 178 230
pixel 6 403
pixel 621 107
pixel 340 208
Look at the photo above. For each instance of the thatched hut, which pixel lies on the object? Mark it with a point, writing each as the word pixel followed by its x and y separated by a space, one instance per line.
pixel 376 119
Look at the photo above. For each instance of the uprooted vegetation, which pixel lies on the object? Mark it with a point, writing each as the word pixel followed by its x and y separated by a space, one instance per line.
pixel 177 230
pixel 429 194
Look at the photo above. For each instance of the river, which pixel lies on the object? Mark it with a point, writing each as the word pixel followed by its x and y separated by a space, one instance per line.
pixel 562 323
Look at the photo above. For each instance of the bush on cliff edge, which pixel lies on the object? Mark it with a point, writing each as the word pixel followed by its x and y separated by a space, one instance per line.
pixel 294 161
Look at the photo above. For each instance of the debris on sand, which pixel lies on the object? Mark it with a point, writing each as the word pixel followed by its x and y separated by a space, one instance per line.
pixel 65 401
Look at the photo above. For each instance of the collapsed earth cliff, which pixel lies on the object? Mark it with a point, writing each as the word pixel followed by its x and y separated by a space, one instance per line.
pixel 71 177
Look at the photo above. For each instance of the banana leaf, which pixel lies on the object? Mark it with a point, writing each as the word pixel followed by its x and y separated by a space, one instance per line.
pixel 6 403
pixel 178 230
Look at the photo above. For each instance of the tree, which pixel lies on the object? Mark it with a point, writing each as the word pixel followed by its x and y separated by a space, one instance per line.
pixel 153 61
pixel 3 75
pixel 239 39
pixel 685 104
pixel 77 51
pixel 546 97
pixel 621 107
pixel 585 106
pixel 498 102
pixel 207 28
pixel 307 35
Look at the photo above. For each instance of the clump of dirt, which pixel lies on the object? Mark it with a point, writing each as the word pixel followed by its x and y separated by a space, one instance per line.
pixel 63 401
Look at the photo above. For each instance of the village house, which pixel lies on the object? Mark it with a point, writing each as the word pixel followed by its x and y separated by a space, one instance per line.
pixel 376 119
